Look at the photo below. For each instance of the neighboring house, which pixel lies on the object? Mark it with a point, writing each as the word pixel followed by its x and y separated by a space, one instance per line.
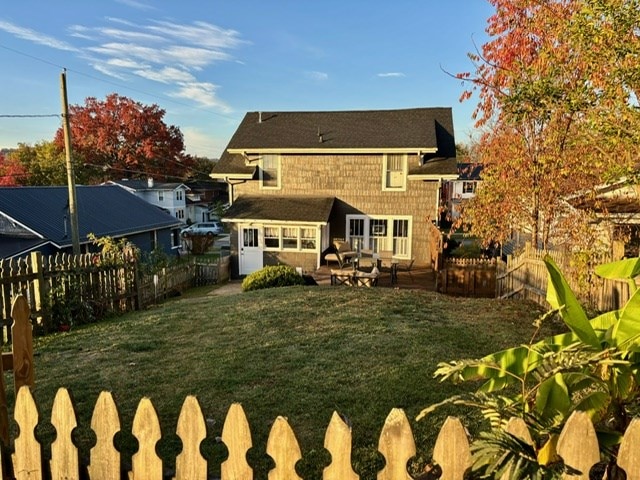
pixel 171 197
pixel 202 197
pixel 37 219
pixel 298 181
pixel 463 188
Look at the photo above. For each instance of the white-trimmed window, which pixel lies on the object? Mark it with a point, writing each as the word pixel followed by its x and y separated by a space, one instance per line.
pixel 468 187
pixel 394 171
pixel 180 214
pixel 160 196
pixel 380 233
pixel 307 239
pixel 270 171
pixel 179 195
pixel 272 238
pixel 289 238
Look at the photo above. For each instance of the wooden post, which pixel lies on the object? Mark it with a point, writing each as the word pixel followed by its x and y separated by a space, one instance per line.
pixel 39 286
pixel 22 333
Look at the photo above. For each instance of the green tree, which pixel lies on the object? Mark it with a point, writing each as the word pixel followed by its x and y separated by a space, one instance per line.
pixel 42 163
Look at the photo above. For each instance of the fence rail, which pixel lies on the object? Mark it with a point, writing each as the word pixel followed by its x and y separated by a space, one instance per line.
pixel 525 276
pixel 468 277
pixel 102 283
pixel 577 444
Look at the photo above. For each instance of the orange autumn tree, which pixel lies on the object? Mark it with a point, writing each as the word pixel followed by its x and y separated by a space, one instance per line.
pixel 119 137
pixel 548 107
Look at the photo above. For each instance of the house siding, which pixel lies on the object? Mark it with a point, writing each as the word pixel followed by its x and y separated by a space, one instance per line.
pixel 356 182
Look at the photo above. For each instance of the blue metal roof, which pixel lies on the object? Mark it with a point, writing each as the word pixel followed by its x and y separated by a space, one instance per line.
pixel 104 210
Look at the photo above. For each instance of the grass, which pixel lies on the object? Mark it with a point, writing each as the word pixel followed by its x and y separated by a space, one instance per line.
pixel 300 352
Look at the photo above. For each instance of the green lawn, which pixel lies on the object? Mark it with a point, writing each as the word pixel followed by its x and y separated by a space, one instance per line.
pixel 300 352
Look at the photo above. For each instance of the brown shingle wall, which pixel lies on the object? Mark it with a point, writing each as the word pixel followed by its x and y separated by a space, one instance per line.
pixel 356 182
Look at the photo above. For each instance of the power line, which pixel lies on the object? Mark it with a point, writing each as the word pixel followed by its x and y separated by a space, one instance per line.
pixel 46 115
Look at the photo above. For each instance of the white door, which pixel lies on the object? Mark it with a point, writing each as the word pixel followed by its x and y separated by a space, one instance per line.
pixel 250 250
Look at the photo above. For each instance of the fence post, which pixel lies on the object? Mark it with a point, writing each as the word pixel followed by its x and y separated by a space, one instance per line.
pixel 39 286
pixel 22 333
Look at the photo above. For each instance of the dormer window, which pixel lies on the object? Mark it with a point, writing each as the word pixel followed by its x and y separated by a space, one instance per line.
pixel 394 172
pixel 270 171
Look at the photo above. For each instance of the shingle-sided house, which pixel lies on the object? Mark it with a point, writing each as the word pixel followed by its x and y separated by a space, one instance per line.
pixel 37 219
pixel 298 181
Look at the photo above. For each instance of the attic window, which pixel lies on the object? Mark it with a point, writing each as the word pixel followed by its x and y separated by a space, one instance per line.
pixel 270 171
pixel 394 172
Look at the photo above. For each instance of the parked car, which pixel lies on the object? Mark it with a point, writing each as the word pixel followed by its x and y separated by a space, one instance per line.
pixel 203 228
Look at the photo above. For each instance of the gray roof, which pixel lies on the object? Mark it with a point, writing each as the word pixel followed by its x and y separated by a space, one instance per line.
pixel 470 171
pixel 436 166
pixel 281 208
pixel 410 129
pixel 102 210
pixel 141 185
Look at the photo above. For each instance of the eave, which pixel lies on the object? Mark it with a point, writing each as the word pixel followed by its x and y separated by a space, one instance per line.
pixel 245 152
pixel 262 221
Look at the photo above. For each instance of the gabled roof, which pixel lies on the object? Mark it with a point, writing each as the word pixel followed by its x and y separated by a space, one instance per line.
pixel 143 185
pixel 435 168
pixel 297 209
pixel 415 130
pixel 102 210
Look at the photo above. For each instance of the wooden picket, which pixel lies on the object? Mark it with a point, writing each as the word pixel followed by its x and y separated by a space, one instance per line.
pixel 577 445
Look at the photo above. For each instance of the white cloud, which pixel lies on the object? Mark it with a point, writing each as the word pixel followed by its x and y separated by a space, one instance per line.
pixel 317 76
pixel 36 37
pixel 202 34
pixel 127 35
pixel 391 74
pixel 136 4
pixel 203 93
pixel 166 75
pixel 201 143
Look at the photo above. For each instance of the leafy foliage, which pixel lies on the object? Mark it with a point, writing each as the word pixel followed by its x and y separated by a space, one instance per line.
pixel 558 88
pixel 272 276
pixel 126 137
pixel 594 368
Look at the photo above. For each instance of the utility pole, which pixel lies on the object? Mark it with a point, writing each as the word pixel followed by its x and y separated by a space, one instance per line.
pixel 71 182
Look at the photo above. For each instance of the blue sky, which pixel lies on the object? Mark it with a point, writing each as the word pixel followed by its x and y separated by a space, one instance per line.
pixel 207 63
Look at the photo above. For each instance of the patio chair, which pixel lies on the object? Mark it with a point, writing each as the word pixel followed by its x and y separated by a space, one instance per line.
pixel 385 259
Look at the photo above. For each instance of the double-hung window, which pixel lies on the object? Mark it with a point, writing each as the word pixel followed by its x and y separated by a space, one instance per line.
pixel 270 171
pixel 379 233
pixel 394 171
pixel 290 238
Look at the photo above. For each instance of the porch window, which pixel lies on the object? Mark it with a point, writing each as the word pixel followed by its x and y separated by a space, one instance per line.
pixel 401 238
pixel 290 238
pixel 272 237
pixel 378 234
pixel 394 172
pixel 308 238
pixel 270 171
pixel 356 233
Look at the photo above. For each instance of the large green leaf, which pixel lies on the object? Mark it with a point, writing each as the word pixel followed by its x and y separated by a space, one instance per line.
pixel 626 332
pixel 561 297
pixel 622 269
pixel 552 397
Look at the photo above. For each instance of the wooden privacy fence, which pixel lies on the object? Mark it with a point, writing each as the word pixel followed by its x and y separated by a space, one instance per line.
pixel 468 277
pixel 103 284
pixel 526 276
pixel 577 444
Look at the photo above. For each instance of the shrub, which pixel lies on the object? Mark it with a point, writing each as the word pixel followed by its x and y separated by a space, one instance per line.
pixel 272 276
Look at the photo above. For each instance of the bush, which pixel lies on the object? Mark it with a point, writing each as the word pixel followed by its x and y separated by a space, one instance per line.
pixel 272 276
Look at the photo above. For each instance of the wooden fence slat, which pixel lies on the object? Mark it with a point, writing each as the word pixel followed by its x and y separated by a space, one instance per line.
pixel 337 442
pixel 452 452
pixel 283 447
pixel 27 459
pixel 192 430
pixel 22 334
pixel 105 459
pixel 64 454
pixel 516 426
pixel 578 445
pixel 396 445
pixel 145 463
pixel 237 438
pixel 628 457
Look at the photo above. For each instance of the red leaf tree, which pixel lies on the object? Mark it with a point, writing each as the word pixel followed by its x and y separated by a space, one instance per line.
pixel 123 138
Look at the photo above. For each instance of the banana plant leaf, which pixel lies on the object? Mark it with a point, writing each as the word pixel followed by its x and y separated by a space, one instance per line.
pixel 561 297
pixel 552 397
pixel 622 269
pixel 626 331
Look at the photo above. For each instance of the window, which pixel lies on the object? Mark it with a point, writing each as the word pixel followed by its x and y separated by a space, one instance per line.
pixel 272 237
pixel 160 196
pixel 394 172
pixel 175 238
pixel 308 238
pixel 179 195
pixel 290 238
pixel 379 233
pixel 180 214
pixel 468 187
pixel 270 171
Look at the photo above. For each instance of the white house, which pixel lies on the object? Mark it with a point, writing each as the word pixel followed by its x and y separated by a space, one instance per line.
pixel 171 197
pixel 463 188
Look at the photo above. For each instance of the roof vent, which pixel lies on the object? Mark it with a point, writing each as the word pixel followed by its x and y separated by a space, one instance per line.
pixel 320 138
pixel 150 182
pixel 259 117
